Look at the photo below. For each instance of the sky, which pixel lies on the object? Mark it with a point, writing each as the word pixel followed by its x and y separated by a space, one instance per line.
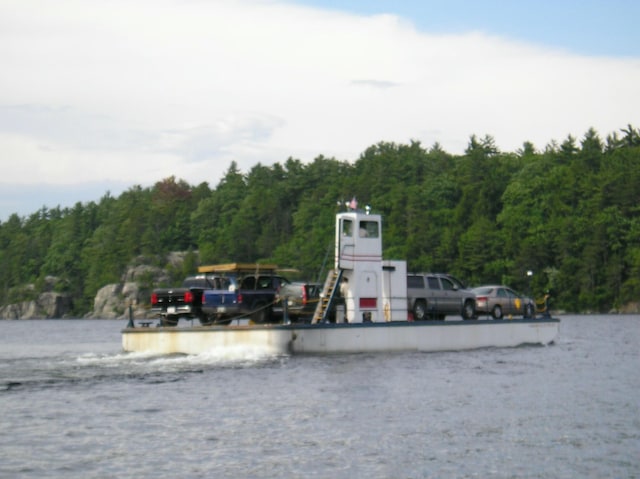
pixel 99 96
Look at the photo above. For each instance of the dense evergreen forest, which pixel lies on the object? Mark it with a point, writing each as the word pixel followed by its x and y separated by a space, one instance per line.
pixel 569 213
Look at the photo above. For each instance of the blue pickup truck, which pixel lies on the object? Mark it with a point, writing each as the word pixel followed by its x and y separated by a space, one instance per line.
pixel 250 291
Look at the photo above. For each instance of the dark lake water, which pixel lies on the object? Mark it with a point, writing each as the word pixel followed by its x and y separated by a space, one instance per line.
pixel 73 405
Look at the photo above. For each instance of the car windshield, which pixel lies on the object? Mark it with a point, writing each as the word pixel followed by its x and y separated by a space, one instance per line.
pixel 482 290
pixel 207 282
pixel 457 282
pixel 195 283
pixel 448 284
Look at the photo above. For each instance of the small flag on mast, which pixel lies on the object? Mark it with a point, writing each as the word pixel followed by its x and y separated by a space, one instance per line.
pixel 353 204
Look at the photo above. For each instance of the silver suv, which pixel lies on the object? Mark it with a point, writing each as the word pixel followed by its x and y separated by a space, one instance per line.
pixel 435 295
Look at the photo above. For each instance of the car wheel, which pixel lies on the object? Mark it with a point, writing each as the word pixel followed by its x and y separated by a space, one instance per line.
pixel 420 311
pixel 261 314
pixel 468 311
pixel 497 312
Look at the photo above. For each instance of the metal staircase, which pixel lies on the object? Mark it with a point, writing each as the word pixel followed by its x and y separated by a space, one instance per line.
pixel 328 294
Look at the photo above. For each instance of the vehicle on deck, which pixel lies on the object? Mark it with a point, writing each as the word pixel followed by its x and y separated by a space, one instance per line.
pixel 250 291
pixel 184 301
pixel 299 298
pixel 436 295
pixel 500 300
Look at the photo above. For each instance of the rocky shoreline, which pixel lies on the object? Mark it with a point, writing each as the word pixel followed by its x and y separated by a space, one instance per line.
pixel 111 301
pixel 132 293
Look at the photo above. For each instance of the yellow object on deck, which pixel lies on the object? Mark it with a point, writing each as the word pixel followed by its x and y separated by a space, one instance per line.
pixel 237 268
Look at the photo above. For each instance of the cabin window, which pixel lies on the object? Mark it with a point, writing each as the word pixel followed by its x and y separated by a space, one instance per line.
pixel 347 228
pixel 368 229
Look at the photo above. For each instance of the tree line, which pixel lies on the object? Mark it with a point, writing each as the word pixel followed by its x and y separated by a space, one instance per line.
pixel 564 219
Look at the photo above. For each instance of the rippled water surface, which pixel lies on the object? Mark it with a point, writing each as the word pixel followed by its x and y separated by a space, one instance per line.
pixel 74 405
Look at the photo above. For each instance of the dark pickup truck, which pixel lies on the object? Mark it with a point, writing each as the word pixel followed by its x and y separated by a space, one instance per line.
pixel 251 290
pixel 171 304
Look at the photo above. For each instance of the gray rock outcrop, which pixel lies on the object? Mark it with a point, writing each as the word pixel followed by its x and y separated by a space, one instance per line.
pixel 46 306
pixel 131 296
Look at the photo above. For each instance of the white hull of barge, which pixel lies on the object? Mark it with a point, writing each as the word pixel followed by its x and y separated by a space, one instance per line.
pixel 343 338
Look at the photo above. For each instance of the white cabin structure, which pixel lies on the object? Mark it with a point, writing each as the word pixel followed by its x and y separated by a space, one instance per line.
pixel 372 289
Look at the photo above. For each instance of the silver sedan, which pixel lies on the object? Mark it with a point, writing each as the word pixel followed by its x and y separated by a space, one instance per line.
pixel 499 300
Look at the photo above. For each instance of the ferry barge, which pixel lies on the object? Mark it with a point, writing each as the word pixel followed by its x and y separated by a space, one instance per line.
pixel 373 315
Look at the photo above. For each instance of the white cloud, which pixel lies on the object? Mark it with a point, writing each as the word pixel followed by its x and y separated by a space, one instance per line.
pixel 138 91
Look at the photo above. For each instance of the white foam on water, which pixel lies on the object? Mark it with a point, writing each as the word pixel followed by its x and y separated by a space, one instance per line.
pixel 94 359
pixel 227 356
pixel 240 353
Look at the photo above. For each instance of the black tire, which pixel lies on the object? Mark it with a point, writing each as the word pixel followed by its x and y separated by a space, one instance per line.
pixel 497 312
pixel 420 311
pixel 469 310
pixel 261 314
pixel 205 320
